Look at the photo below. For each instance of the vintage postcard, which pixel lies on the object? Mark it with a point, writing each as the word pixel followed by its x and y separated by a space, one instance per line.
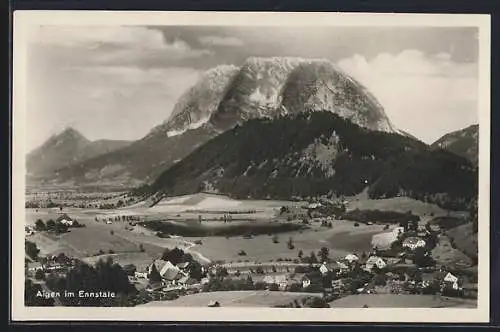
pixel 207 166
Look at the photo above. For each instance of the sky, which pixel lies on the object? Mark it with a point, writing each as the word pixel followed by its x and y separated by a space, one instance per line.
pixel 118 82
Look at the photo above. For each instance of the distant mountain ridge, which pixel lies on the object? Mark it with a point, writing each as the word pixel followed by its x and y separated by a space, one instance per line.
pixel 463 142
pixel 318 153
pixel 224 97
pixel 67 148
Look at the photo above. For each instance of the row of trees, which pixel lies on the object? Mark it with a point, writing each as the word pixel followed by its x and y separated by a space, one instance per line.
pixel 105 276
pixel 51 226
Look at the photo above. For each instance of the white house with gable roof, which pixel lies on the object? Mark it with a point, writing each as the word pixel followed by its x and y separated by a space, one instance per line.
pixel 374 261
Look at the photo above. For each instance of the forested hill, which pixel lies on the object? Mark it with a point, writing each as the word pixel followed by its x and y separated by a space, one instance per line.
pixel 464 142
pixel 319 153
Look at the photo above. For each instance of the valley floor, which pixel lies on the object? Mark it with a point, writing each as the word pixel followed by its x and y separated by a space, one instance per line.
pixel 130 243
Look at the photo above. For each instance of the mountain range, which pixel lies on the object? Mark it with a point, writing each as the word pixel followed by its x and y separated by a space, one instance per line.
pixel 223 97
pixel 65 149
pixel 318 153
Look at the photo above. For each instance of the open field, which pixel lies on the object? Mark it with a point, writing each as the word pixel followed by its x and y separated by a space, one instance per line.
pixel 464 240
pixel 397 204
pixel 234 299
pixel 444 253
pixel 261 248
pixel 341 239
pixel 401 301
pixel 50 246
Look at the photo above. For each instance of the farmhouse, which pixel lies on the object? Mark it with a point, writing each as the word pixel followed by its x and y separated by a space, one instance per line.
pixel 413 243
pixel 168 271
pixel 28 231
pixel 314 205
pixel 338 285
pixel 67 222
pixel 65 219
pixel 374 261
pixel 451 280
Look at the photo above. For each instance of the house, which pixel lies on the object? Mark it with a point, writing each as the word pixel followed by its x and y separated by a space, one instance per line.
pixel 35 266
pixel 323 269
pixel 314 205
pixel 398 230
pixel 422 231
pixel 306 282
pixel 67 222
pixel 413 243
pixel 187 281
pixel 343 266
pixel 338 285
pixel 351 258
pixel 451 280
pixel 281 280
pixel 374 261
pixel 435 227
pixel 168 271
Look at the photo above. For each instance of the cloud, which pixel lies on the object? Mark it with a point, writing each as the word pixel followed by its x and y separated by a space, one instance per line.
pixel 113 46
pixel 109 82
pixel 220 41
pixel 102 101
pixel 427 95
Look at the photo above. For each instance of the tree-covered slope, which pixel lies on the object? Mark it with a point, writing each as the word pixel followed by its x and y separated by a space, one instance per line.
pixel 319 153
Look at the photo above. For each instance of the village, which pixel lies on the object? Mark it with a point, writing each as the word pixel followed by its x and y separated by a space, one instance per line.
pixel 404 267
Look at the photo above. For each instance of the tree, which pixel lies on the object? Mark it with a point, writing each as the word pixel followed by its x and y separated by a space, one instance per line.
pixel 175 256
pixel 422 259
pixel 290 243
pixel 249 283
pixel 39 275
pixel 316 302
pixel 301 254
pixel 51 225
pixel 275 239
pixel 154 275
pixel 39 225
pixel 130 269
pixel 380 279
pixel 323 254
pixel 30 296
pixel 195 270
pixel 62 258
pixel 312 258
pixel 31 250
pixel 274 287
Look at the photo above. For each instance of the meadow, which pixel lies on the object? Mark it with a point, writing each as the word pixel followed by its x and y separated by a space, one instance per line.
pixel 234 299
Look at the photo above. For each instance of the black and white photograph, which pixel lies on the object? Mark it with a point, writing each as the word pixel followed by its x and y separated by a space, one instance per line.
pixel 225 166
